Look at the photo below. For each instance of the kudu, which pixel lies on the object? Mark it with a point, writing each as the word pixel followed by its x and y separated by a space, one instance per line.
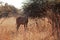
pixel 22 20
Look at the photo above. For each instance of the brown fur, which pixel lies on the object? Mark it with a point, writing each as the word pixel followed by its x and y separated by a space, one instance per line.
pixel 23 21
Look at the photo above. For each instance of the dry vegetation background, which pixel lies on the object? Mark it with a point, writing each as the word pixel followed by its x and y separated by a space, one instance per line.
pixel 42 30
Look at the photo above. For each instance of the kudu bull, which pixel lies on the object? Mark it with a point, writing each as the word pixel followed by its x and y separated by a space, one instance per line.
pixel 23 21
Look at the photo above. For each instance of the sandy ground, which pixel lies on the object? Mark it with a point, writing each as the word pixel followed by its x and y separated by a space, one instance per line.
pixel 42 31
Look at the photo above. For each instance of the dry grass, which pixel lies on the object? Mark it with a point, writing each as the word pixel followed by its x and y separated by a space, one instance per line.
pixel 41 32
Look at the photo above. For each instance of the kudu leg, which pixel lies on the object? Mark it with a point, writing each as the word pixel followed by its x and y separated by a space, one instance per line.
pixel 25 27
pixel 18 25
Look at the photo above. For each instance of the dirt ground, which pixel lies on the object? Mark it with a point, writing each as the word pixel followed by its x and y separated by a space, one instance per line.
pixel 42 31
